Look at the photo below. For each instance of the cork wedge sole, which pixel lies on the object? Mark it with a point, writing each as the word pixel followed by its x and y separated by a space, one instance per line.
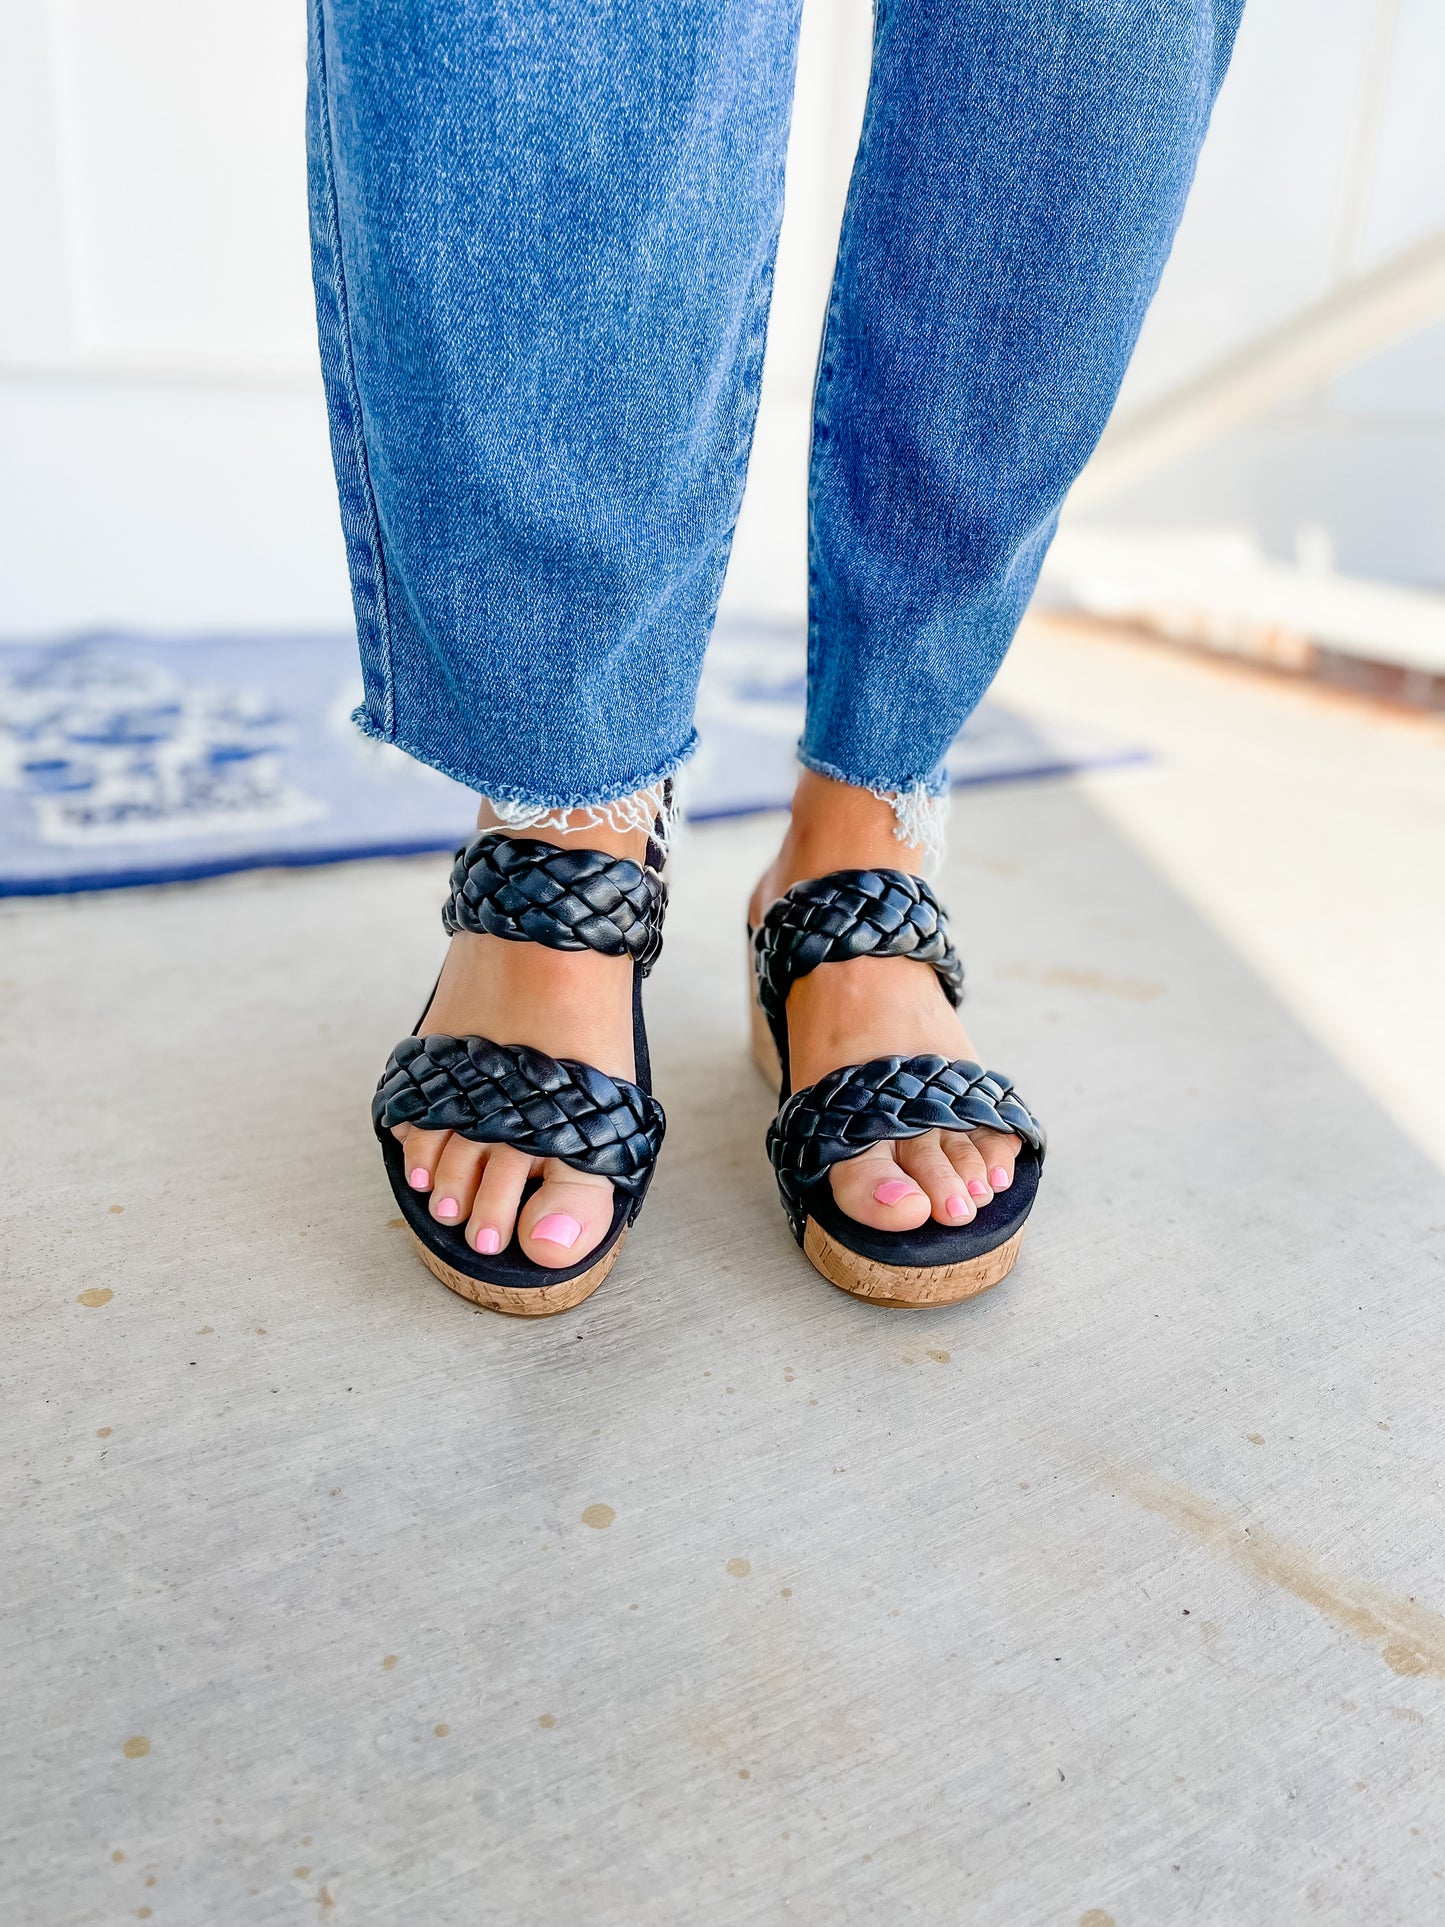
pixel 900 1287
pixel 510 1282
pixel 536 1301
pixel 907 1287
pixel 765 1051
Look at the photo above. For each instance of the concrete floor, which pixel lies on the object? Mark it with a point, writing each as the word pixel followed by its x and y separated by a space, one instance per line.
pixel 1115 1596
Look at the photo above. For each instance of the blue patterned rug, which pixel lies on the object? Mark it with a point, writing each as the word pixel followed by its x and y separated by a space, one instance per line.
pixel 126 760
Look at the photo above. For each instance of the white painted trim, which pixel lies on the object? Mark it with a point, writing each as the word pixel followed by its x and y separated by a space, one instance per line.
pixel 1354 322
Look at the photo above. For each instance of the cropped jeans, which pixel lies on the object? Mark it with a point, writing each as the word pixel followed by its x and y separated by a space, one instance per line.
pixel 543 236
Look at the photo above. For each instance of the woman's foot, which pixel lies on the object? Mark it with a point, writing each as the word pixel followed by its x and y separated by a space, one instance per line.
pixel 848 1013
pixel 568 1003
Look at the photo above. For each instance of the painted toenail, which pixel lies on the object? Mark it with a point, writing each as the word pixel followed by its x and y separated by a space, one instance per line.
pixel 977 1188
pixel 421 1178
pixel 446 1207
pixel 488 1241
pixel 557 1229
pixel 999 1178
pixel 957 1207
pixel 893 1190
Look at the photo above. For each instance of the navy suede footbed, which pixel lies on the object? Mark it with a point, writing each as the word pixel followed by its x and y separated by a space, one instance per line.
pixel 511 1267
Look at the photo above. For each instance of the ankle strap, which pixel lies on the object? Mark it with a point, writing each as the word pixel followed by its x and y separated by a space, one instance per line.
pixel 534 892
pixel 847 914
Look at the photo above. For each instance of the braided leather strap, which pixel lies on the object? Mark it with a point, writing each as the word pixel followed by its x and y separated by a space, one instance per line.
pixel 891 1097
pixel 851 913
pixel 548 1107
pixel 533 892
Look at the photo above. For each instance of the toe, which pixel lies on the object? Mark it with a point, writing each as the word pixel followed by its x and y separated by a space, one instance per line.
pixel 455 1179
pixel 996 1151
pixel 876 1190
pixel 494 1210
pixel 952 1198
pixel 421 1152
pixel 567 1216
pixel 970 1167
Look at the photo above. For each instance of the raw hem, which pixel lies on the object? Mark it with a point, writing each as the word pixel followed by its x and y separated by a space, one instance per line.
pixel 517 801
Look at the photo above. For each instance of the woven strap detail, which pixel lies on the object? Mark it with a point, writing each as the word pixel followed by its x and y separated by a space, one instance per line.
pixel 891 1097
pixel 534 892
pixel 548 1107
pixel 851 913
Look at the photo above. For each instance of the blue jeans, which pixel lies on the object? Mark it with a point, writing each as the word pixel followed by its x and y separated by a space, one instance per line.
pixel 543 243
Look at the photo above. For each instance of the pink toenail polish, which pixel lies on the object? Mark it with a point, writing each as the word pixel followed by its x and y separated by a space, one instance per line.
pixel 957 1207
pixel 977 1188
pixel 487 1241
pixel 557 1229
pixel 420 1178
pixel 446 1207
pixel 999 1178
pixel 893 1190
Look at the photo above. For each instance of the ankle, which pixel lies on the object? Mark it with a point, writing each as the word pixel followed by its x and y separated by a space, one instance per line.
pixel 835 826
pixel 576 832
pixel 620 830
pixel 568 1003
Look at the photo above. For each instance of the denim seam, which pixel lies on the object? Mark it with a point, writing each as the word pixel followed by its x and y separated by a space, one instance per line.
pixel 750 392
pixel 361 518
pixel 752 377
pixel 825 363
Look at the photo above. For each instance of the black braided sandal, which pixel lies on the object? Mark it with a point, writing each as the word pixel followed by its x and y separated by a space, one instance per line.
pixel 881 913
pixel 533 892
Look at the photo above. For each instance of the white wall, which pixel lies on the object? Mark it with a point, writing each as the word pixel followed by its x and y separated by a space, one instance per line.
pixel 164 450
pixel 1327 155
pixel 164 446
pixel 153 214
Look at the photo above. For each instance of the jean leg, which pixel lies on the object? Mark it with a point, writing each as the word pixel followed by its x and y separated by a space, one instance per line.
pixel 543 244
pixel 1022 171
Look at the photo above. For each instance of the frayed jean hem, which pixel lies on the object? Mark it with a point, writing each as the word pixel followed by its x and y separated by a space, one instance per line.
pixel 935 785
pixel 519 800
